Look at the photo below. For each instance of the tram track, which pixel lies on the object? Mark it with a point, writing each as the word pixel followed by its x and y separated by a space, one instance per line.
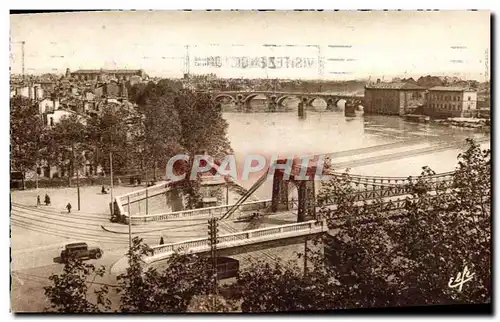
pixel 87 229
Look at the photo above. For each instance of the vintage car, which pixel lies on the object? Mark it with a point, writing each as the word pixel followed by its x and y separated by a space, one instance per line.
pixel 80 251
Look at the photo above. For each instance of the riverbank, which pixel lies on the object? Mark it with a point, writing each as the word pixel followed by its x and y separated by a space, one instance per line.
pixel 473 123
pixel 462 122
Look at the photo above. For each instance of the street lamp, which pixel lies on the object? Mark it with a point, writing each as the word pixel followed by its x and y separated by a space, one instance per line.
pixel 227 178
pixel 111 185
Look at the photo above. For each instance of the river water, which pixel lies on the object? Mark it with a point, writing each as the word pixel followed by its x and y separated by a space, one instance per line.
pixel 327 132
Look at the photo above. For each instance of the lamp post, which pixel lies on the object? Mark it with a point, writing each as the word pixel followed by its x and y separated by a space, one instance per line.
pixel 226 178
pixel 129 225
pixel 111 185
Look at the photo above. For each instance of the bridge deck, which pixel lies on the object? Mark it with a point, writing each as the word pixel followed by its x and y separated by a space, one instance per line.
pixel 239 239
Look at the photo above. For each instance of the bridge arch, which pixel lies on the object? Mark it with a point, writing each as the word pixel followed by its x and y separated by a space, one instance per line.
pixel 219 97
pixel 281 99
pixel 313 99
pixel 250 97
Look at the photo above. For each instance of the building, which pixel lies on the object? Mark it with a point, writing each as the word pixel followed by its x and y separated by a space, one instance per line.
pixel 450 101
pixel 393 98
pixel 54 117
pixel 32 91
pixel 48 105
pixel 105 74
pixel 111 90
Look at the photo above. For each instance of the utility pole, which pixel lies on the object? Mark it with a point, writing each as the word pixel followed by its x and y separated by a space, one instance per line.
pixel 77 175
pixel 78 186
pixel 486 66
pixel 212 239
pixel 129 224
pixel 186 62
pixel 111 175
pixel 22 54
pixel 305 256
pixel 36 177
pixel 226 178
pixel 147 184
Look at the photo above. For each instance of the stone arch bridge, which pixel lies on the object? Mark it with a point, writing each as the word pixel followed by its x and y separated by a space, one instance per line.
pixel 276 99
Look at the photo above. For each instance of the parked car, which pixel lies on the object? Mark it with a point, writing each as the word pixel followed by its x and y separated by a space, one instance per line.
pixel 80 251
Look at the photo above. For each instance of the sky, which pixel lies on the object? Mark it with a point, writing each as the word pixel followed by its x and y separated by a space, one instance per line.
pixel 352 44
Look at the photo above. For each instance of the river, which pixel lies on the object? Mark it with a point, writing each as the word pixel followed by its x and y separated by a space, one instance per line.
pixel 327 132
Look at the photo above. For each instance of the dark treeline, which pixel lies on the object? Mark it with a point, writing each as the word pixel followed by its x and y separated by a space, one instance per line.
pixel 166 120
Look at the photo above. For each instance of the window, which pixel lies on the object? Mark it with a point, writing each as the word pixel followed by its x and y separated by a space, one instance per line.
pixel 468 98
pixel 51 121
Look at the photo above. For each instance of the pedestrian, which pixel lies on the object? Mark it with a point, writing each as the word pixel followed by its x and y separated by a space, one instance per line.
pixel 103 190
pixel 68 206
pixel 47 200
pixel 161 240
pixel 38 202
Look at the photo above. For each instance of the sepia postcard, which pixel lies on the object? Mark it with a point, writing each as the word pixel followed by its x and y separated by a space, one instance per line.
pixel 250 161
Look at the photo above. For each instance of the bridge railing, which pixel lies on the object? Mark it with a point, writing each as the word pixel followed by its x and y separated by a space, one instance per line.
pixel 239 239
pixel 140 194
pixel 215 211
pixel 376 180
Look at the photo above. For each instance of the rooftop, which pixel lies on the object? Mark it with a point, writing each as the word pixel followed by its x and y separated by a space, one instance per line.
pixel 451 89
pixel 398 86
pixel 98 71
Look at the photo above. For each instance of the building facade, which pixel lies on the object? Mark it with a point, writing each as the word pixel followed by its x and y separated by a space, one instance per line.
pixel 48 105
pixel 111 90
pixel 445 101
pixel 393 98
pixel 33 91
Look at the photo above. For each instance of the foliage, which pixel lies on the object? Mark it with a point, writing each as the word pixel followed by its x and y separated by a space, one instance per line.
pixel 211 303
pixel 70 289
pixel 27 134
pixel 455 224
pixel 161 131
pixel 203 127
pixel 407 256
pixel 169 290
pixel 109 132
pixel 283 287
pixel 67 141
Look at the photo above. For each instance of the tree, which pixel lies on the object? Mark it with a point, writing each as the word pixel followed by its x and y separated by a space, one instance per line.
pixel 67 142
pixel 180 121
pixel 383 256
pixel 27 135
pixel 70 290
pixel 204 130
pixel 205 303
pixel 162 131
pixel 110 132
pixel 358 246
pixel 283 287
pixel 455 223
pixel 203 127
pixel 169 290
